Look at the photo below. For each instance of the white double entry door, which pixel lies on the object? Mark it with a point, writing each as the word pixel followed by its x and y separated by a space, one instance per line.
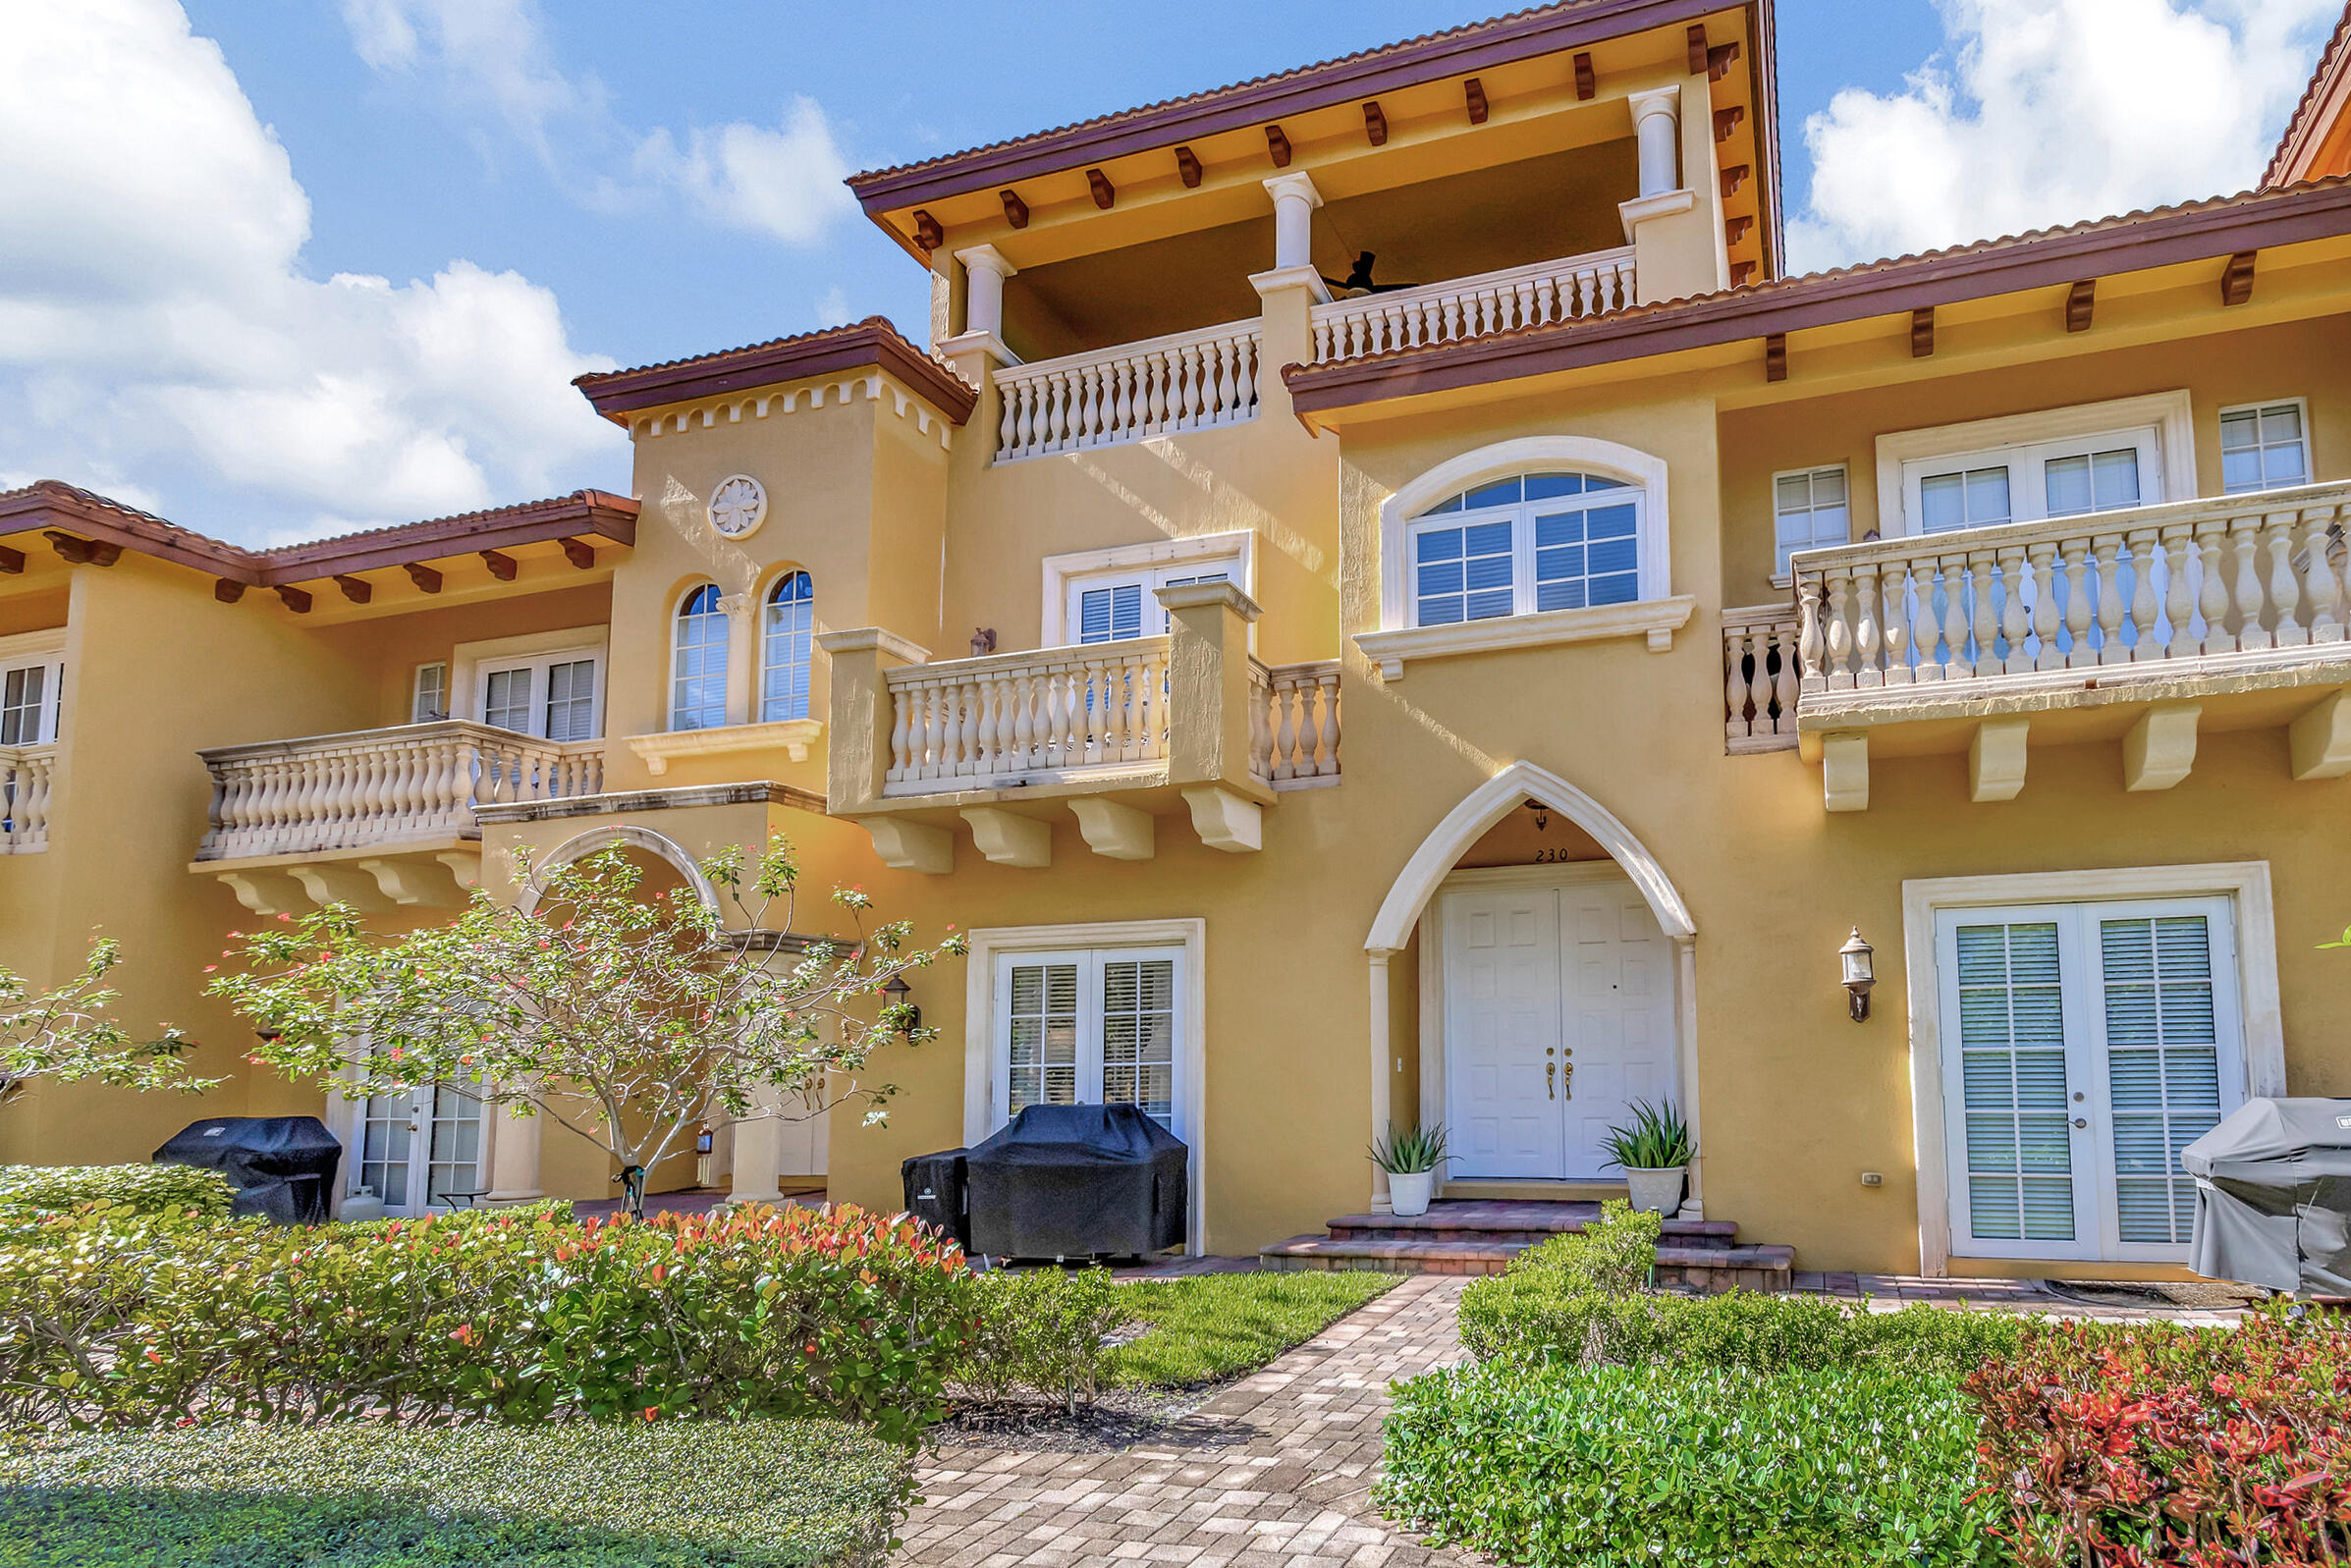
pixel 419 1151
pixel 1557 1004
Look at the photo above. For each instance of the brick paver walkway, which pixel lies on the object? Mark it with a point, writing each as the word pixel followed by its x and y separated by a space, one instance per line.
pixel 1275 1470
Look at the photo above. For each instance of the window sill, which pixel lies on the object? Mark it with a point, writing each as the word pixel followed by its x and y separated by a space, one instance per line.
pixel 1653 619
pixel 793 737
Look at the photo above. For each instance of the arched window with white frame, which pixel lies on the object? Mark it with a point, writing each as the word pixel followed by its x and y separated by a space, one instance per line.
pixel 698 661
pixel 1551 540
pixel 787 634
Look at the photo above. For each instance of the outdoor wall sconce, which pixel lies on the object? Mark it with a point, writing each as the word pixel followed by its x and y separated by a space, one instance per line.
pixel 898 990
pixel 1855 955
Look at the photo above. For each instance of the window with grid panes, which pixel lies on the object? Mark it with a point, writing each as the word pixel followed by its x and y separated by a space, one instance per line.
pixel 698 662
pixel 787 642
pixel 2262 447
pixel 1810 512
pixel 1530 543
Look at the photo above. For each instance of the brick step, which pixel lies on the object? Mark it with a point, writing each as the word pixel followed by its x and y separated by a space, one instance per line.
pixel 1707 1269
pixel 1426 1228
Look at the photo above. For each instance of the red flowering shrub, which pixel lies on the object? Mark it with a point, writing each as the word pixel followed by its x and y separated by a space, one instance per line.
pixel 757 1312
pixel 2125 1448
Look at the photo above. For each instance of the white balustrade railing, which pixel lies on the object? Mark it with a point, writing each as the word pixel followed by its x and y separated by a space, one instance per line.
pixel 374 786
pixel 28 782
pixel 2192 580
pixel 1759 677
pixel 1474 307
pixel 1162 386
pixel 971 724
pixel 1294 723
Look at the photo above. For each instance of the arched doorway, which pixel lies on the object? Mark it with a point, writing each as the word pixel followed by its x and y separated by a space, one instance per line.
pixel 1610 921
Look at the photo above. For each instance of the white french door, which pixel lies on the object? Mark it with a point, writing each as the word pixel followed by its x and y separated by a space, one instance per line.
pixel 418 1150
pixel 2083 1046
pixel 554 696
pixel 1558 1014
pixel 1090 1026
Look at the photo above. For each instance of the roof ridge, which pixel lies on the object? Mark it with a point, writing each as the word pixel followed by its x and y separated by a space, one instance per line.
pixel 2337 42
pixel 843 329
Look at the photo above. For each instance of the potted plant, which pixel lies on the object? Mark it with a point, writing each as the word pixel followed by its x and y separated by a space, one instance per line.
pixel 1411 1158
pixel 1653 1152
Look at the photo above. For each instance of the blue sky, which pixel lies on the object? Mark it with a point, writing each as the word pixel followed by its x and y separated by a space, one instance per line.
pixel 287 267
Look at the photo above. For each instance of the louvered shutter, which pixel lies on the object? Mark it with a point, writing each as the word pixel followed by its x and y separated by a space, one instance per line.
pixel 2018 1155
pixel 2164 1069
pixel 1042 1057
pixel 1138 1034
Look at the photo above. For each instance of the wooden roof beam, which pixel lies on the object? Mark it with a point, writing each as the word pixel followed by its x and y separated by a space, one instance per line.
pixel 1696 40
pixel 1015 210
pixel 1586 82
pixel 1277 143
pixel 2236 279
pixel 82 552
pixel 11 561
pixel 1106 194
pixel 1776 356
pixel 579 553
pixel 1374 123
pixel 2080 300
pixel 1473 93
pixel 1922 331
pixel 294 599
pixel 422 575
pixel 502 565
pixel 1187 166
pixel 359 590
pixel 927 232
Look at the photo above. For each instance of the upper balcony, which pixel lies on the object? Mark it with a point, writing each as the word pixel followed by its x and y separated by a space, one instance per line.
pixel 1119 732
pixel 2145 624
pixel 376 817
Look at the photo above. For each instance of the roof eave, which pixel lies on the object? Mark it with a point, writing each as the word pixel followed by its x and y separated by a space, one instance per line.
pixel 617 394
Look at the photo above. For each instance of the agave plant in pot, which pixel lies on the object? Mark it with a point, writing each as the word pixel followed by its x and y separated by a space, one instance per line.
pixel 1654 1153
pixel 1411 1157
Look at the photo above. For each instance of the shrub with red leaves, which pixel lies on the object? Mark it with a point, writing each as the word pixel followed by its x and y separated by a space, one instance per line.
pixel 2129 1447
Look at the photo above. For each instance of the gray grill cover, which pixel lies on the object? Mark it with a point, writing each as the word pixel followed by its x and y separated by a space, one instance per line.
pixel 2273 1196
pixel 1076 1181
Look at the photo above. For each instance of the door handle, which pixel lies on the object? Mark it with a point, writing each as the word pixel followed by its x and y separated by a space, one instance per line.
pixel 1550 1078
pixel 1568 1081
pixel 2081 1121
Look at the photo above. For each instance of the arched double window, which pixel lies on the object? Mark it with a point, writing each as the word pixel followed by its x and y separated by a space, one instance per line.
pixel 1532 542
pixel 698 662
pixel 785 634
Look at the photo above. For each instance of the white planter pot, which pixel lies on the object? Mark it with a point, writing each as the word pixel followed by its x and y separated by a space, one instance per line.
pixel 1409 1192
pixel 1658 1191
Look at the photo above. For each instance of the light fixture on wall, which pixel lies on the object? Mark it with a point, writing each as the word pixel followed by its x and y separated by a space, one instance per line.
pixel 1855 955
pixel 898 990
pixel 1542 815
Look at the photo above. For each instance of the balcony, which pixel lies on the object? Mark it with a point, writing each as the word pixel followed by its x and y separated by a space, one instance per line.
pixel 1478 306
pixel 27 777
pixel 1185 380
pixel 1116 733
pixel 374 818
pixel 2146 625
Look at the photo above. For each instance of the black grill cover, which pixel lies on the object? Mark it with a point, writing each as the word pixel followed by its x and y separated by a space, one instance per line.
pixel 1077 1181
pixel 2273 1196
pixel 282 1166
pixel 935 1193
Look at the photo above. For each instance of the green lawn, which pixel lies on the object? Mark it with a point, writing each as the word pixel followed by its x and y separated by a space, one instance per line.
pixel 1206 1328
pixel 675 1495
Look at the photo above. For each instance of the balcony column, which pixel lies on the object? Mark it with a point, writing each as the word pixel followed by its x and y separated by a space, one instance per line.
pixel 513 1155
pixel 1291 292
pixel 1656 133
pixel 858 728
pixel 1678 252
pixel 1209 729
pixel 980 347
pixel 1295 201
pixel 759 1151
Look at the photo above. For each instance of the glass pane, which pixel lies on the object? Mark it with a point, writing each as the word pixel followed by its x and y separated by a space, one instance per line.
pixel 2241 470
pixel 1042 1039
pixel 2117 478
pixel 1504 493
pixel 2240 429
pixel 2013 1085
pixel 21 692
pixel 1793 492
pixel 789 631
pixel 1987 496
pixel 2067 483
pixel 1138 1034
pixel 2282 422
pixel 2283 466
pixel 1551 486
pixel 571 700
pixel 431 697
pixel 1942 502
pixel 698 662
pixel 1828 487
pixel 2163 1066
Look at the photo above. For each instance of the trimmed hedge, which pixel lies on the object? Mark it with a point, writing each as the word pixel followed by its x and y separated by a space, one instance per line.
pixel 753 1312
pixel 127 1189
pixel 358 1495
pixel 1610 1466
pixel 1042 1329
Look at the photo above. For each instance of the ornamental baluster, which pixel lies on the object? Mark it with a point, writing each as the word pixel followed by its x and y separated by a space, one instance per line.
pixel 1734 686
pixel 2013 624
pixel 1811 640
pixel 1840 634
pixel 1784 683
pixel 2146 644
pixel 2179 604
pixel 2078 621
pixel 2106 556
pixel 2214 600
pixel 2251 633
pixel 1327 760
pixel 2319 588
pixel 901 699
pixel 1026 391
pixel 2042 569
pixel 1896 622
pixel 1866 637
pixel 1982 626
pixel 2284 591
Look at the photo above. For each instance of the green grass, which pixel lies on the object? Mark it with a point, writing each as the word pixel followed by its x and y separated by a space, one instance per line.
pixel 677 1494
pixel 1206 1328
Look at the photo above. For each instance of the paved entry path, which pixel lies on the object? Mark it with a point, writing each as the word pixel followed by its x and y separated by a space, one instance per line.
pixel 1275 1470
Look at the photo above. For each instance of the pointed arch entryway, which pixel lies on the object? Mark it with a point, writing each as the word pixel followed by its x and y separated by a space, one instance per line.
pixel 1424 874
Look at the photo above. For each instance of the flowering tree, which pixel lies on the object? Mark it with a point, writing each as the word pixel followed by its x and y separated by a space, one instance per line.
pixel 69 1033
pixel 630 1021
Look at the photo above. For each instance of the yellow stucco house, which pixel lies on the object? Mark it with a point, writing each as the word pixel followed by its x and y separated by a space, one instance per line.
pixel 1378 601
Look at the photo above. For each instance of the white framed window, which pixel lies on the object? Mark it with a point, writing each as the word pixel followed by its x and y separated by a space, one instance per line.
pixel 2072 1032
pixel 786 637
pixel 544 684
pixel 32 685
pixel 2058 463
pixel 2265 446
pixel 428 693
pixel 1528 543
pixel 1810 510
pixel 1109 595
pixel 698 661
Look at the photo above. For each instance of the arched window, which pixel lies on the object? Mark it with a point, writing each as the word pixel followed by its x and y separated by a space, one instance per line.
pixel 784 642
pixel 1531 541
pixel 698 662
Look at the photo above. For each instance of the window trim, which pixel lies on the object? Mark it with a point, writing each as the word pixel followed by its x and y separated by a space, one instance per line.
pixel 466 661
pixel 1782 575
pixel 2244 882
pixel 46 649
pixel 988 944
pixel 1066 575
pixel 2171 414
pixel 2310 467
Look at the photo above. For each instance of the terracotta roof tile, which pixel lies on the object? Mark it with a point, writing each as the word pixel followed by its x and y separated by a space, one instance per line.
pixel 873 341
pixel 2332 61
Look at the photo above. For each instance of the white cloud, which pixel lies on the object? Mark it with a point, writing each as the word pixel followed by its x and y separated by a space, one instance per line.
pixel 833 308
pixel 784 180
pixel 158 334
pixel 2055 111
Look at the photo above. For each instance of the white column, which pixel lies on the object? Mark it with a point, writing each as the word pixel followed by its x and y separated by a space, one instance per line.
pixel 984 272
pixel 1295 201
pixel 513 1156
pixel 1657 129
pixel 1381 1202
pixel 759 1152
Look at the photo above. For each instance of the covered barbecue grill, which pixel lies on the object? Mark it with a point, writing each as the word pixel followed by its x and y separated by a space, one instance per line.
pixel 2273 1196
pixel 1077 1181
pixel 935 1193
pixel 282 1166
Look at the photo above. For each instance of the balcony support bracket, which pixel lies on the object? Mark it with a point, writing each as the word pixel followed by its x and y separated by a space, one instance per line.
pixel 265 892
pixel 422 884
pixel 1845 771
pixel 2160 747
pixel 2321 739
pixel 1120 833
pixel 328 884
pixel 1008 839
pixel 912 847
pixel 1226 821
pixel 1995 759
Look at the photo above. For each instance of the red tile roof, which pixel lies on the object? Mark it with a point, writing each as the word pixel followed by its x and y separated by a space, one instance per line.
pixel 869 344
pixel 2329 92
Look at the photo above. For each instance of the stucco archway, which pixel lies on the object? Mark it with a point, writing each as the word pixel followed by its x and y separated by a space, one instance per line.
pixel 660 847
pixel 1409 895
